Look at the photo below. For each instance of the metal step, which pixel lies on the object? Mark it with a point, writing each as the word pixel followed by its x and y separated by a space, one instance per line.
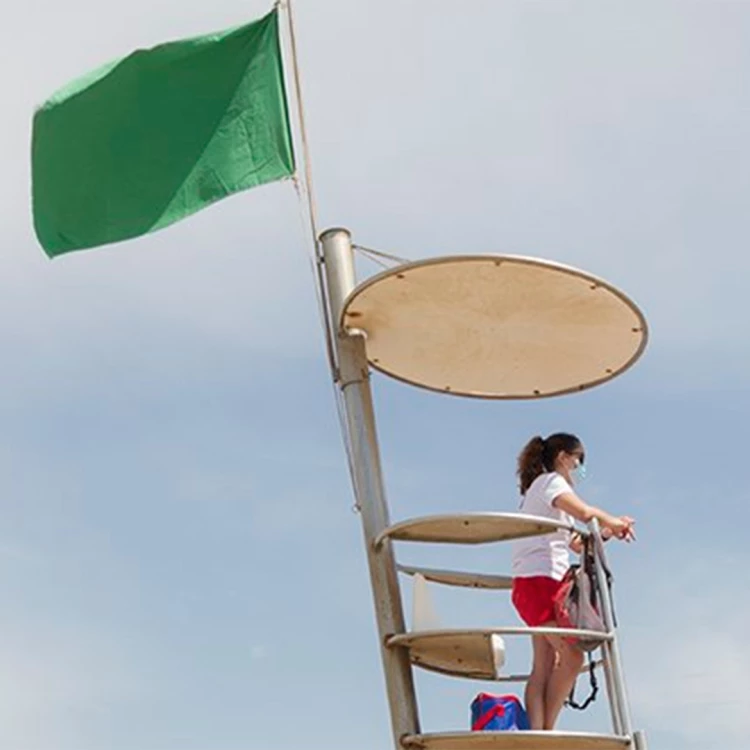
pixel 459 578
pixel 465 653
pixel 515 741
pixel 470 528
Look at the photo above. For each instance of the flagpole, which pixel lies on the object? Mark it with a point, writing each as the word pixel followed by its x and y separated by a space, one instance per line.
pixel 307 187
pixel 312 206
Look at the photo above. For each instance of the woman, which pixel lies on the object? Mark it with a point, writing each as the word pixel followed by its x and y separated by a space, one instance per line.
pixel 546 471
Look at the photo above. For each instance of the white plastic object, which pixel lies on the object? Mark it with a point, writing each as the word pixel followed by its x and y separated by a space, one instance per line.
pixel 423 611
pixel 498 652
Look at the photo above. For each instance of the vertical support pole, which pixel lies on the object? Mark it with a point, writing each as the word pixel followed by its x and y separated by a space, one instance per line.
pixel 369 488
pixel 613 652
pixel 612 695
pixel 639 741
pixel 611 690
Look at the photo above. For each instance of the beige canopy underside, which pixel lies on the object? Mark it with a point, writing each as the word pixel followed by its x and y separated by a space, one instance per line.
pixel 496 326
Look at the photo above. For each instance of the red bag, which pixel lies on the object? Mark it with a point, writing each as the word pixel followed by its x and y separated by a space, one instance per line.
pixel 498 713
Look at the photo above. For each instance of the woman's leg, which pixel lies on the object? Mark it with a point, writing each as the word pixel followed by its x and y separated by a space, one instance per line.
pixel 559 685
pixel 536 687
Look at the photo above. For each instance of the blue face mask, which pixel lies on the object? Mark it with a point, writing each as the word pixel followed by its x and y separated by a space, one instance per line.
pixel 579 472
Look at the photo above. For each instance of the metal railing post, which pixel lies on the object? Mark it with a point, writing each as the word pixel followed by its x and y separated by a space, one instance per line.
pixel 611 647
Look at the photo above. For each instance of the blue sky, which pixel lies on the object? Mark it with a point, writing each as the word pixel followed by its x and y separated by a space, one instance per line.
pixel 180 568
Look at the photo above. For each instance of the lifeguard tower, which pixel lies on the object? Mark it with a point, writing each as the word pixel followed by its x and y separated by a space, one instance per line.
pixel 484 326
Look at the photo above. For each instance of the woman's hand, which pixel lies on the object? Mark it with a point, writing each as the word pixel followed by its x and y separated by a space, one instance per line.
pixel 576 542
pixel 622 528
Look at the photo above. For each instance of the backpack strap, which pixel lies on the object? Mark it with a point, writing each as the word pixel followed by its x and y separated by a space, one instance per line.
pixel 589 551
pixel 594 689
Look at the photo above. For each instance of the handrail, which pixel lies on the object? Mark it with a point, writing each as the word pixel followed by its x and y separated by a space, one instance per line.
pixel 585 669
pixel 465 579
pixel 534 526
pixel 403 639
pixel 520 740
pixel 501 677
pixel 463 653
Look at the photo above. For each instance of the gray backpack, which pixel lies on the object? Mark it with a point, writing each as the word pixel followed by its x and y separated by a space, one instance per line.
pixel 577 606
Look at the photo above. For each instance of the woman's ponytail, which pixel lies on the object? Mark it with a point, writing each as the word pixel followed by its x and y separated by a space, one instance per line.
pixel 531 462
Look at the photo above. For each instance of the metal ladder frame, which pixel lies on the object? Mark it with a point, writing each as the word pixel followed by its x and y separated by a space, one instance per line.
pixel 354 384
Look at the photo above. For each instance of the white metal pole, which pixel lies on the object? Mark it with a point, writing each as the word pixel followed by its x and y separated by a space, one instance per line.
pixel 639 741
pixel 354 382
pixel 618 679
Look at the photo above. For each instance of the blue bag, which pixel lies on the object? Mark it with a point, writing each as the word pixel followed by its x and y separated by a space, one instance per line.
pixel 498 713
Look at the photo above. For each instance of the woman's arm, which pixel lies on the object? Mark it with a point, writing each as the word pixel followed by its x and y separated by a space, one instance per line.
pixel 619 526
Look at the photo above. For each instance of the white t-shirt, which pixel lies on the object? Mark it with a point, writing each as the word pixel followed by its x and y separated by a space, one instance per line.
pixel 546 555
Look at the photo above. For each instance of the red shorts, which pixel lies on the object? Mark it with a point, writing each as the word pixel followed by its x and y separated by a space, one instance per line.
pixel 533 598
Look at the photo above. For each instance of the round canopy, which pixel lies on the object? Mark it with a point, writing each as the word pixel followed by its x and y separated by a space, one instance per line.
pixel 500 327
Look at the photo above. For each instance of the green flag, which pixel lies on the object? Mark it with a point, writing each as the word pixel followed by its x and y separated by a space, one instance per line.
pixel 154 137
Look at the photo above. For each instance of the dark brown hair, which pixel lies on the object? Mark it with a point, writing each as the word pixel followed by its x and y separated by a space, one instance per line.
pixel 539 454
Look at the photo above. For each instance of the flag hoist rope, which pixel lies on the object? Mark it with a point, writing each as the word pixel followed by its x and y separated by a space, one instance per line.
pixel 305 190
pixel 357 421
